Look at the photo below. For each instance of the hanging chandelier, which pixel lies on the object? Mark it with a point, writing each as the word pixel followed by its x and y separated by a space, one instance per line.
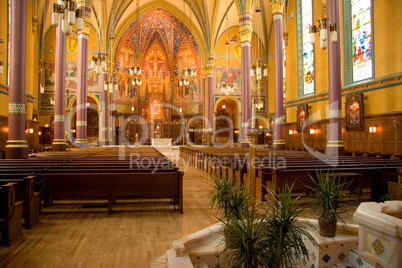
pixel 135 73
pixel 322 29
pixel 227 86
pixel 70 13
pixel 259 69
pixel 98 63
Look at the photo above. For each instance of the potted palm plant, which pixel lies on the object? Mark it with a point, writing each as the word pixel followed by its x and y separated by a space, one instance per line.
pixel 328 191
pixel 284 232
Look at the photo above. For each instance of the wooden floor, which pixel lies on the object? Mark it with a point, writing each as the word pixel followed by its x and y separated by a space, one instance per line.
pixel 72 236
pixel 82 234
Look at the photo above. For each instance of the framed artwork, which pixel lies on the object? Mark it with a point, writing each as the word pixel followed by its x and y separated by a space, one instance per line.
pixel 354 111
pixel 302 115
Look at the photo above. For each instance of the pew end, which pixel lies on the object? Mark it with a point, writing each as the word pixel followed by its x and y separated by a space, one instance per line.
pixel 11 213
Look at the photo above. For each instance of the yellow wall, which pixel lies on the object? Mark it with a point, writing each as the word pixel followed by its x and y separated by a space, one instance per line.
pixel 387 37
pixel 221 49
pixel 387 56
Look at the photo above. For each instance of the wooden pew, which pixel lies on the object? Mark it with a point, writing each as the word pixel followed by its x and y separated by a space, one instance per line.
pixel 25 191
pixel 11 215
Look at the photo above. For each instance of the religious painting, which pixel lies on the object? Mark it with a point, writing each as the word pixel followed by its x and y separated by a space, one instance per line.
pixel 50 76
pixel 156 109
pixel 234 76
pixel 361 40
pixel 354 111
pixel 156 69
pixel 185 63
pixel 302 116
pixel 71 75
pixel 72 42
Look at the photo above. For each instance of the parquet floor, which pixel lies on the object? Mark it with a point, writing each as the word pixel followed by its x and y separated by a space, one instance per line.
pixel 71 236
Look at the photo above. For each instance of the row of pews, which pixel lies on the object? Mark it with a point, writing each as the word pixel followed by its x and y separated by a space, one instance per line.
pixel 106 173
pixel 272 169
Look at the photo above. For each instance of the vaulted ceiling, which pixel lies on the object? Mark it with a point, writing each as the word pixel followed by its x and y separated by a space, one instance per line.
pixel 206 19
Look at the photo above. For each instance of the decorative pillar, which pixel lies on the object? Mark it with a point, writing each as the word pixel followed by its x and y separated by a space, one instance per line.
pixel 104 108
pixel 277 10
pixel 209 72
pixel 245 33
pixel 334 143
pixel 17 147
pixel 81 104
pixel 110 118
pixel 59 142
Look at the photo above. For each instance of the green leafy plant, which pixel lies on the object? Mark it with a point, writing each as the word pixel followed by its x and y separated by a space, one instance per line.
pixel 284 232
pixel 228 197
pixel 256 237
pixel 328 192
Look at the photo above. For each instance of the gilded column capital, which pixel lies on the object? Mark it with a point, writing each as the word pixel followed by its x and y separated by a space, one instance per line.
pixel 35 23
pixel 246 35
pixel 208 69
pixel 86 26
pixel 277 6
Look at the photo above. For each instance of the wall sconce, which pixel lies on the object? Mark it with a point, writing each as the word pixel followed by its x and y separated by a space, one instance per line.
pixel 236 131
pixel 313 131
pixel 70 13
pixel 73 130
pixel 39 133
pixel 267 134
pixel 31 130
pixel 373 129
pixel 132 108
pixel 292 131
pixel 46 125
pixel 87 104
pixel 180 109
pixel 260 127
pixel 223 106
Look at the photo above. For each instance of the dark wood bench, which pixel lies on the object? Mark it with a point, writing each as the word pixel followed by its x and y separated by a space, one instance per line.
pixel 11 215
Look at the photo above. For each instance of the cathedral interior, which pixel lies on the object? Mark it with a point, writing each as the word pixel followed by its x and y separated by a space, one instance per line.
pixel 288 77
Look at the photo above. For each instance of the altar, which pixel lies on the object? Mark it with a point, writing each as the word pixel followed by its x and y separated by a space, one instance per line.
pixel 158 142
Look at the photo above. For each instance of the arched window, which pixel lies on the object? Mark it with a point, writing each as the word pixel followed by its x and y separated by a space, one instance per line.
pixel 358 41
pixel 305 50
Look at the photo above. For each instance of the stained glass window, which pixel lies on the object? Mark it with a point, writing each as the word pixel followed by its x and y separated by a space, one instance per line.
pixel 308 49
pixel 361 39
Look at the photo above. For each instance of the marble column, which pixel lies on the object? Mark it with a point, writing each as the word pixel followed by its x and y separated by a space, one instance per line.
pixel 104 108
pixel 16 147
pixel 59 142
pixel 277 9
pixel 334 143
pixel 246 33
pixel 110 118
pixel 81 103
pixel 209 72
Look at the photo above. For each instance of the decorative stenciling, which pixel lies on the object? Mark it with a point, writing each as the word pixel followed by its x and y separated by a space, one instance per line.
pixel 81 123
pixel 16 108
pixel 59 118
pixel 335 113
pixel 378 247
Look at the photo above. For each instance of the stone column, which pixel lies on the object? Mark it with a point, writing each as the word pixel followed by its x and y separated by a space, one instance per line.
pixel 334 143
pixel 110 118
pixel 277 10
pixel 17 147
pixel 246 33
pixel 209 72
pixel 59 142
pixel 81 104
pixel 104 108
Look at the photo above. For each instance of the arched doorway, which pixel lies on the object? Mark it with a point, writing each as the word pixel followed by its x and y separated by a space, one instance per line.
pixel 227 120
pixel 93 118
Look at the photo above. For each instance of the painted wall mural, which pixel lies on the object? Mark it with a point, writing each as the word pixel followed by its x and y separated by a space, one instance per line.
pixel 234 77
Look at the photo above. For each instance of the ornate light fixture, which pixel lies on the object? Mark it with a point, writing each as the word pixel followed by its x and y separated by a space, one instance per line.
pixel 259 69
pixel 98 63
pixel 322 29
pixel 135 73
pixel 68 8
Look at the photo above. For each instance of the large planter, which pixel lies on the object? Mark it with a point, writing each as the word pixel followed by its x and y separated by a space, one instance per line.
pixel 327 228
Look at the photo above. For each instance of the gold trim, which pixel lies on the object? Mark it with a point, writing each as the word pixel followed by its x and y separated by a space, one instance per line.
pixel 277 6
pixel 208 69
pixel 86 26
pixel 246 35
pixel 35 23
